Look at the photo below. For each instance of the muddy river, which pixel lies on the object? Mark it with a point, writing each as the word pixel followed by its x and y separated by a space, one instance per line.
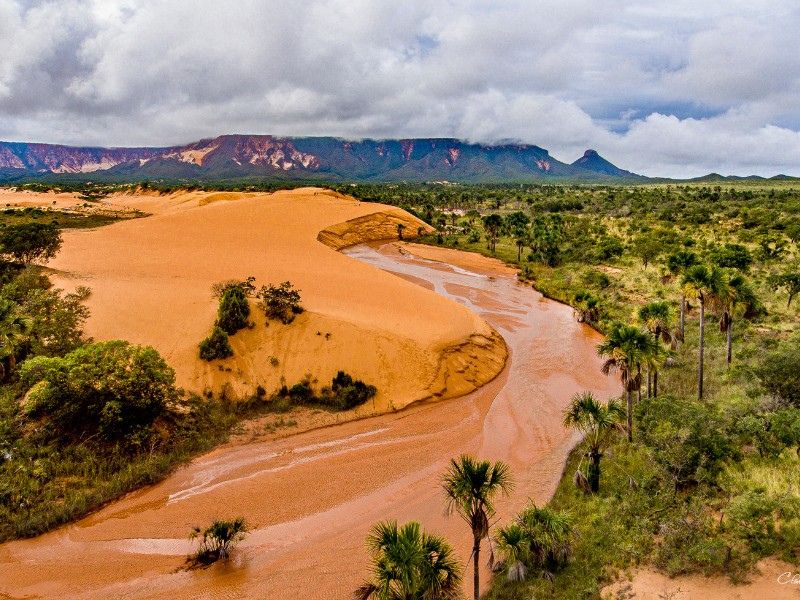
pixel 312 497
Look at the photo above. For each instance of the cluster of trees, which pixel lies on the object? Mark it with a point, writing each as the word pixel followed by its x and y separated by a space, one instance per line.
pixel 279 302
pixel 107 393
pixel 28 243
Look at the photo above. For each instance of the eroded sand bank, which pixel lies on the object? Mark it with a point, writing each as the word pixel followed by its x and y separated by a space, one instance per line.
pixel 151 284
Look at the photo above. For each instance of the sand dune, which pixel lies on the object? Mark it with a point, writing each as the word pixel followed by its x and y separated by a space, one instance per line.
pixel 151 284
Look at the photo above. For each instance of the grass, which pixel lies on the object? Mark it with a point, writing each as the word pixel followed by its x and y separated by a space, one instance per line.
pixel 61 218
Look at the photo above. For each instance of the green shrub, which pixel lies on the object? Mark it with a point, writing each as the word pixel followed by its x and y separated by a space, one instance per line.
pixel 280 302
pixel 346 393
pixel 690 544
pixel 779 373
pixel 30 242
pixel 217 541
pixel 597 278
pixel 112 392
pixel 216 345
pixel 688 437
pixel 234 310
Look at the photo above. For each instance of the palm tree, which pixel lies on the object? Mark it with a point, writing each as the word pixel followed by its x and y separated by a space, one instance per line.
pixel 549 535
pixel 596 421
pixel 706 285
pixel 737 298
pixel 657 317
pixel 627 348
pixel 587 307
pixel 492 224
pixel 514 546
pixel 409 564
pixel 539 538
pixel 470 487
pixel 14 327
pixel 678 263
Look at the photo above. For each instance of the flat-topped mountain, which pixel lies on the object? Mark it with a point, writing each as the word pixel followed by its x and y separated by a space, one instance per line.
pixel 306 158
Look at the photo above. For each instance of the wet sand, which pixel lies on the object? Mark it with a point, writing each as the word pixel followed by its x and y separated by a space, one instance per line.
pixel 312 497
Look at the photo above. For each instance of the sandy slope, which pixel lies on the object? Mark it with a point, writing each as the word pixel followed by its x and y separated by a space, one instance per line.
pixel 151 281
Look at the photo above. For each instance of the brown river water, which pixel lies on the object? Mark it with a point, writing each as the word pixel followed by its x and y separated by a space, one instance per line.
pixel 312 497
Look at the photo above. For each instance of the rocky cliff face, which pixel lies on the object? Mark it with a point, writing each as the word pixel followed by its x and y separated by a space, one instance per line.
pixel 232 156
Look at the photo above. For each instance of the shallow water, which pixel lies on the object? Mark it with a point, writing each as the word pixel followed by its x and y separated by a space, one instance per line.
pixel 312 497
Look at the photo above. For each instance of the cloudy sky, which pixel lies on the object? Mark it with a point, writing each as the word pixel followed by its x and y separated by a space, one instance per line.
pixel 678 88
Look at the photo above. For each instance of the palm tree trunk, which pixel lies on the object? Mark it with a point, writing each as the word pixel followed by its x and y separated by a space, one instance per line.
pixel 476 563
pixel 594 471
pixel 683 316
pixel 639 386
pixel 702 349
pixel 630 415
pixel 730 340
pixel 649 388
pixel 655 384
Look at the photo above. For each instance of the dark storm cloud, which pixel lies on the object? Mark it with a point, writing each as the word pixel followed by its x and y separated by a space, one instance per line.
pixel 667 89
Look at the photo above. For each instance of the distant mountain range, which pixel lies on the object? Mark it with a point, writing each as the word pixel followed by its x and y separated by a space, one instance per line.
pixel 230 157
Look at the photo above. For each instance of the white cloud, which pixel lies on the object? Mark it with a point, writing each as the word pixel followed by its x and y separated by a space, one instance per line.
pixel 687 89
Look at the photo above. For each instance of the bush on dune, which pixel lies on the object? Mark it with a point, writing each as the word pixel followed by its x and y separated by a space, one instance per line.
pixel 280 302
pixel 344 392
pixel 216 345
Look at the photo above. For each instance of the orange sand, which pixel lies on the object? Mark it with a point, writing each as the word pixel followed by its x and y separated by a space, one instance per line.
pixel 772 582
pixel 151 284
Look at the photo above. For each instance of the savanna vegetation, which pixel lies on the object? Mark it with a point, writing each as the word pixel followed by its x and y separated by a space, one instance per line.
pixel 694 469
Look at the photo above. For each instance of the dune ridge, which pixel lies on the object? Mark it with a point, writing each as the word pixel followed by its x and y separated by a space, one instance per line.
pixel 151 281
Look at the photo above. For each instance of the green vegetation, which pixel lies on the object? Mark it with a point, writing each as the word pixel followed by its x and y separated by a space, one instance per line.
pixel 597 422
pixel 217 541
pixel 280 302
pixel 410 564
pixel 84 217
pixel 106 393
pixel 344 393
pixel 216 345
pixel 539 542
pixel 233 315
pixel 30 242
pixel 709 483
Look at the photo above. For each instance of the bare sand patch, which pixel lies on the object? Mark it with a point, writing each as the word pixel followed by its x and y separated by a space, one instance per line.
pixel 773 582
pixel 460 258
pixel 151 284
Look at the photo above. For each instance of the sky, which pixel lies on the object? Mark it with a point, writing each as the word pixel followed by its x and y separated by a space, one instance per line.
pixel 675 89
